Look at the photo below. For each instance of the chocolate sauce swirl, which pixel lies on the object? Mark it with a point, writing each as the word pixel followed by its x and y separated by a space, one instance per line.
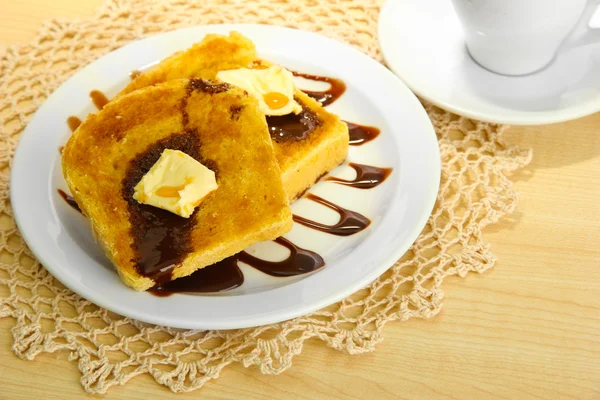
pixel 350 221
pixel 361 134
pixel 367 176
pixel 300 261
pixel 337 87
pixel 293 127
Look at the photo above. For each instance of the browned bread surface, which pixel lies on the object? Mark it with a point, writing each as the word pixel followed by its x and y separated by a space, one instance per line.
pixel 302 162
pixel 203 60
pixel 249 205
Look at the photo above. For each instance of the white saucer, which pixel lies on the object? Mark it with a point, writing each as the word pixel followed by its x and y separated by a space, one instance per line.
pixel 422 42
pixel 398 209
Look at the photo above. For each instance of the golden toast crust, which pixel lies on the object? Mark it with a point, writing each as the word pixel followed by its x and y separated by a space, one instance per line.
pixel 304 161
pixel 203 60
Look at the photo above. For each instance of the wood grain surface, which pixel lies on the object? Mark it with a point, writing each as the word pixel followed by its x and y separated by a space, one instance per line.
pixel 528 329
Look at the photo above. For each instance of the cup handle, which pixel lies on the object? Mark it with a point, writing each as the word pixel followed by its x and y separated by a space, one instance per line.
pixel 582 34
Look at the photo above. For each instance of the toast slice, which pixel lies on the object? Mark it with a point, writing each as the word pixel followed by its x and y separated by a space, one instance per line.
pixel 320 140
pixel 203 60
pixel 319 143
pixel 215 123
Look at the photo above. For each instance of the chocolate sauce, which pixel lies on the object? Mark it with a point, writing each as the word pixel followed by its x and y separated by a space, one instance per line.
pixel 361 134
pixel 367 176
pixel 293 126
pixel 134 74
pixel 206 86
pixel 300 261
pixel 73 123
pixel 69 200
pixel 224 275
pixel 350 222
pixel 99 99
pixel 337 87
pixel 161 239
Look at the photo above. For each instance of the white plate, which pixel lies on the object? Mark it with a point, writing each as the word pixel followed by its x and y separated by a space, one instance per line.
pixel 422 42
pixel 398 208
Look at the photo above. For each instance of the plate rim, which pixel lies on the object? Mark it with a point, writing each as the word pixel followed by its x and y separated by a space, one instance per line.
pixel 300 308
pixel 523 118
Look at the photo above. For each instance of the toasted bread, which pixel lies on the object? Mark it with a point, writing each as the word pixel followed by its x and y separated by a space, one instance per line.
pixel 302 159
pixel 203 60
pixel 215 123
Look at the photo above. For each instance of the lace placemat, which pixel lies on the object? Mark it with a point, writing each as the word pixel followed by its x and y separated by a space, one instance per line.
pixel 109 349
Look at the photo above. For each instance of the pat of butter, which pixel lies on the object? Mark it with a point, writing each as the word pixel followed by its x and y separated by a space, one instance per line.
pixel 176 183
pixel 273 87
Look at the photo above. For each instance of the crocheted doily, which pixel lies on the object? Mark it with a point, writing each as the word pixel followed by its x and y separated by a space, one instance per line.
pixel 111 349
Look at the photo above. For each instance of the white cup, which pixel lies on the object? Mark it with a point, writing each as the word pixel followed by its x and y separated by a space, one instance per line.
pixel 518 37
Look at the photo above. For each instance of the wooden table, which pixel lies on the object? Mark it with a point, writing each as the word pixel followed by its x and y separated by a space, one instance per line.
pixel 527 329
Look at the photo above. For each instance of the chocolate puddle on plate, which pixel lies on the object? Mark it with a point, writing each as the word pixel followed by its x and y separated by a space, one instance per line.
pixel 226 274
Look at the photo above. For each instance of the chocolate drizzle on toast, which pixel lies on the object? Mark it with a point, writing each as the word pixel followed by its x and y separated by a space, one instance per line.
pixel 202 86
pixel 298 126
pixel 161 239
pixel 283 128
